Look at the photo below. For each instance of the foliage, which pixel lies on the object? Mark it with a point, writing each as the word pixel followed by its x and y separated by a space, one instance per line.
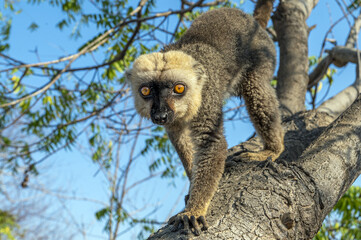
pixel 345 220
pixel 354 4
pixel 51 118
pixel 7 225
pixel 5 24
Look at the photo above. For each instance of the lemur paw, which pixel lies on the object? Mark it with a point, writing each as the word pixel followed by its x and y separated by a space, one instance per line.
pixel 189 221
pixel 260 156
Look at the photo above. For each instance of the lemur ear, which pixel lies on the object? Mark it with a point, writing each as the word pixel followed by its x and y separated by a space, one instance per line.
pixel 128 75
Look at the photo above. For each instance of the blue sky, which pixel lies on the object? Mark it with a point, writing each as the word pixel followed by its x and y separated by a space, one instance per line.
pixel 73 172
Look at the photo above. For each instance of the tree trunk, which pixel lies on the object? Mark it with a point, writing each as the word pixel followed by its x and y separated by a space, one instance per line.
pixel 289 198
pixel 290 25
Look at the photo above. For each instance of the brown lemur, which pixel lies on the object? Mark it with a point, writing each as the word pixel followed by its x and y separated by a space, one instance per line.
pixel 223 53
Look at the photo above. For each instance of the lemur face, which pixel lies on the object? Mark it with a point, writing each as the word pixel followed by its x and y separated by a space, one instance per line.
pixel 166 87
pixel 162 96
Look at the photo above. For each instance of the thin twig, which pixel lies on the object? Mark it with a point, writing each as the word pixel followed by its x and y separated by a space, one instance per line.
pixel 105 36
pixel 125 176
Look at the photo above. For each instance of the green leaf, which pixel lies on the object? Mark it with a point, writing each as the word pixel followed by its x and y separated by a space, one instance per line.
pixel 33 27
pixel 344 220
pixel 102 213
pixel 63 23
pixel 6 140
pixel 47 100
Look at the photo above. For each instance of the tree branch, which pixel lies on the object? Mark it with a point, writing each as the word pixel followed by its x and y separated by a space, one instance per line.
pixel 105 37
pixel 93 46
pixel 335 153
pixel 292 34
pixel 46 87
pixel 262 12
pixel 289 198
pixel 352 37
pixel 341 56
pixel 338 103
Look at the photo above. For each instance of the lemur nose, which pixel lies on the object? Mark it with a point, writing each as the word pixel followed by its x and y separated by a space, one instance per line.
pixel 161 118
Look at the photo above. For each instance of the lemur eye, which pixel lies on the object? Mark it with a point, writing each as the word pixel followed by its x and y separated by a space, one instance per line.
pixel 145 91
pixel 179 88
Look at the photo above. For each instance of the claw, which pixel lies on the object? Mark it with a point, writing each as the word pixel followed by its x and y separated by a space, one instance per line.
pixel 188 223
pixel 197 229
pixel 186 227
pixel 176 224
pixel 204 223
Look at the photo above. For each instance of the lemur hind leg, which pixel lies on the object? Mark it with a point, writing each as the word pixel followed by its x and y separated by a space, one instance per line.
pixel 263 109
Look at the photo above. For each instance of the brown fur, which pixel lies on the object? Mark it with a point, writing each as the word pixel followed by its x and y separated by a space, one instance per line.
pixel 225 52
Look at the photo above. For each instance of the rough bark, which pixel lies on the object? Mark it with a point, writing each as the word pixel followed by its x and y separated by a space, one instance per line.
pixel 289 198
pixel 289 22
pixel 333 162
pixel 262 12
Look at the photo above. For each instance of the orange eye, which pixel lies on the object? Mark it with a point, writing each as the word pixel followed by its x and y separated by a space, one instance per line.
pixel 179 88
pixel 145 91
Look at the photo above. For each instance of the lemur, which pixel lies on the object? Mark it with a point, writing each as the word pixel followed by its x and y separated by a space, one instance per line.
pixel 224 53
